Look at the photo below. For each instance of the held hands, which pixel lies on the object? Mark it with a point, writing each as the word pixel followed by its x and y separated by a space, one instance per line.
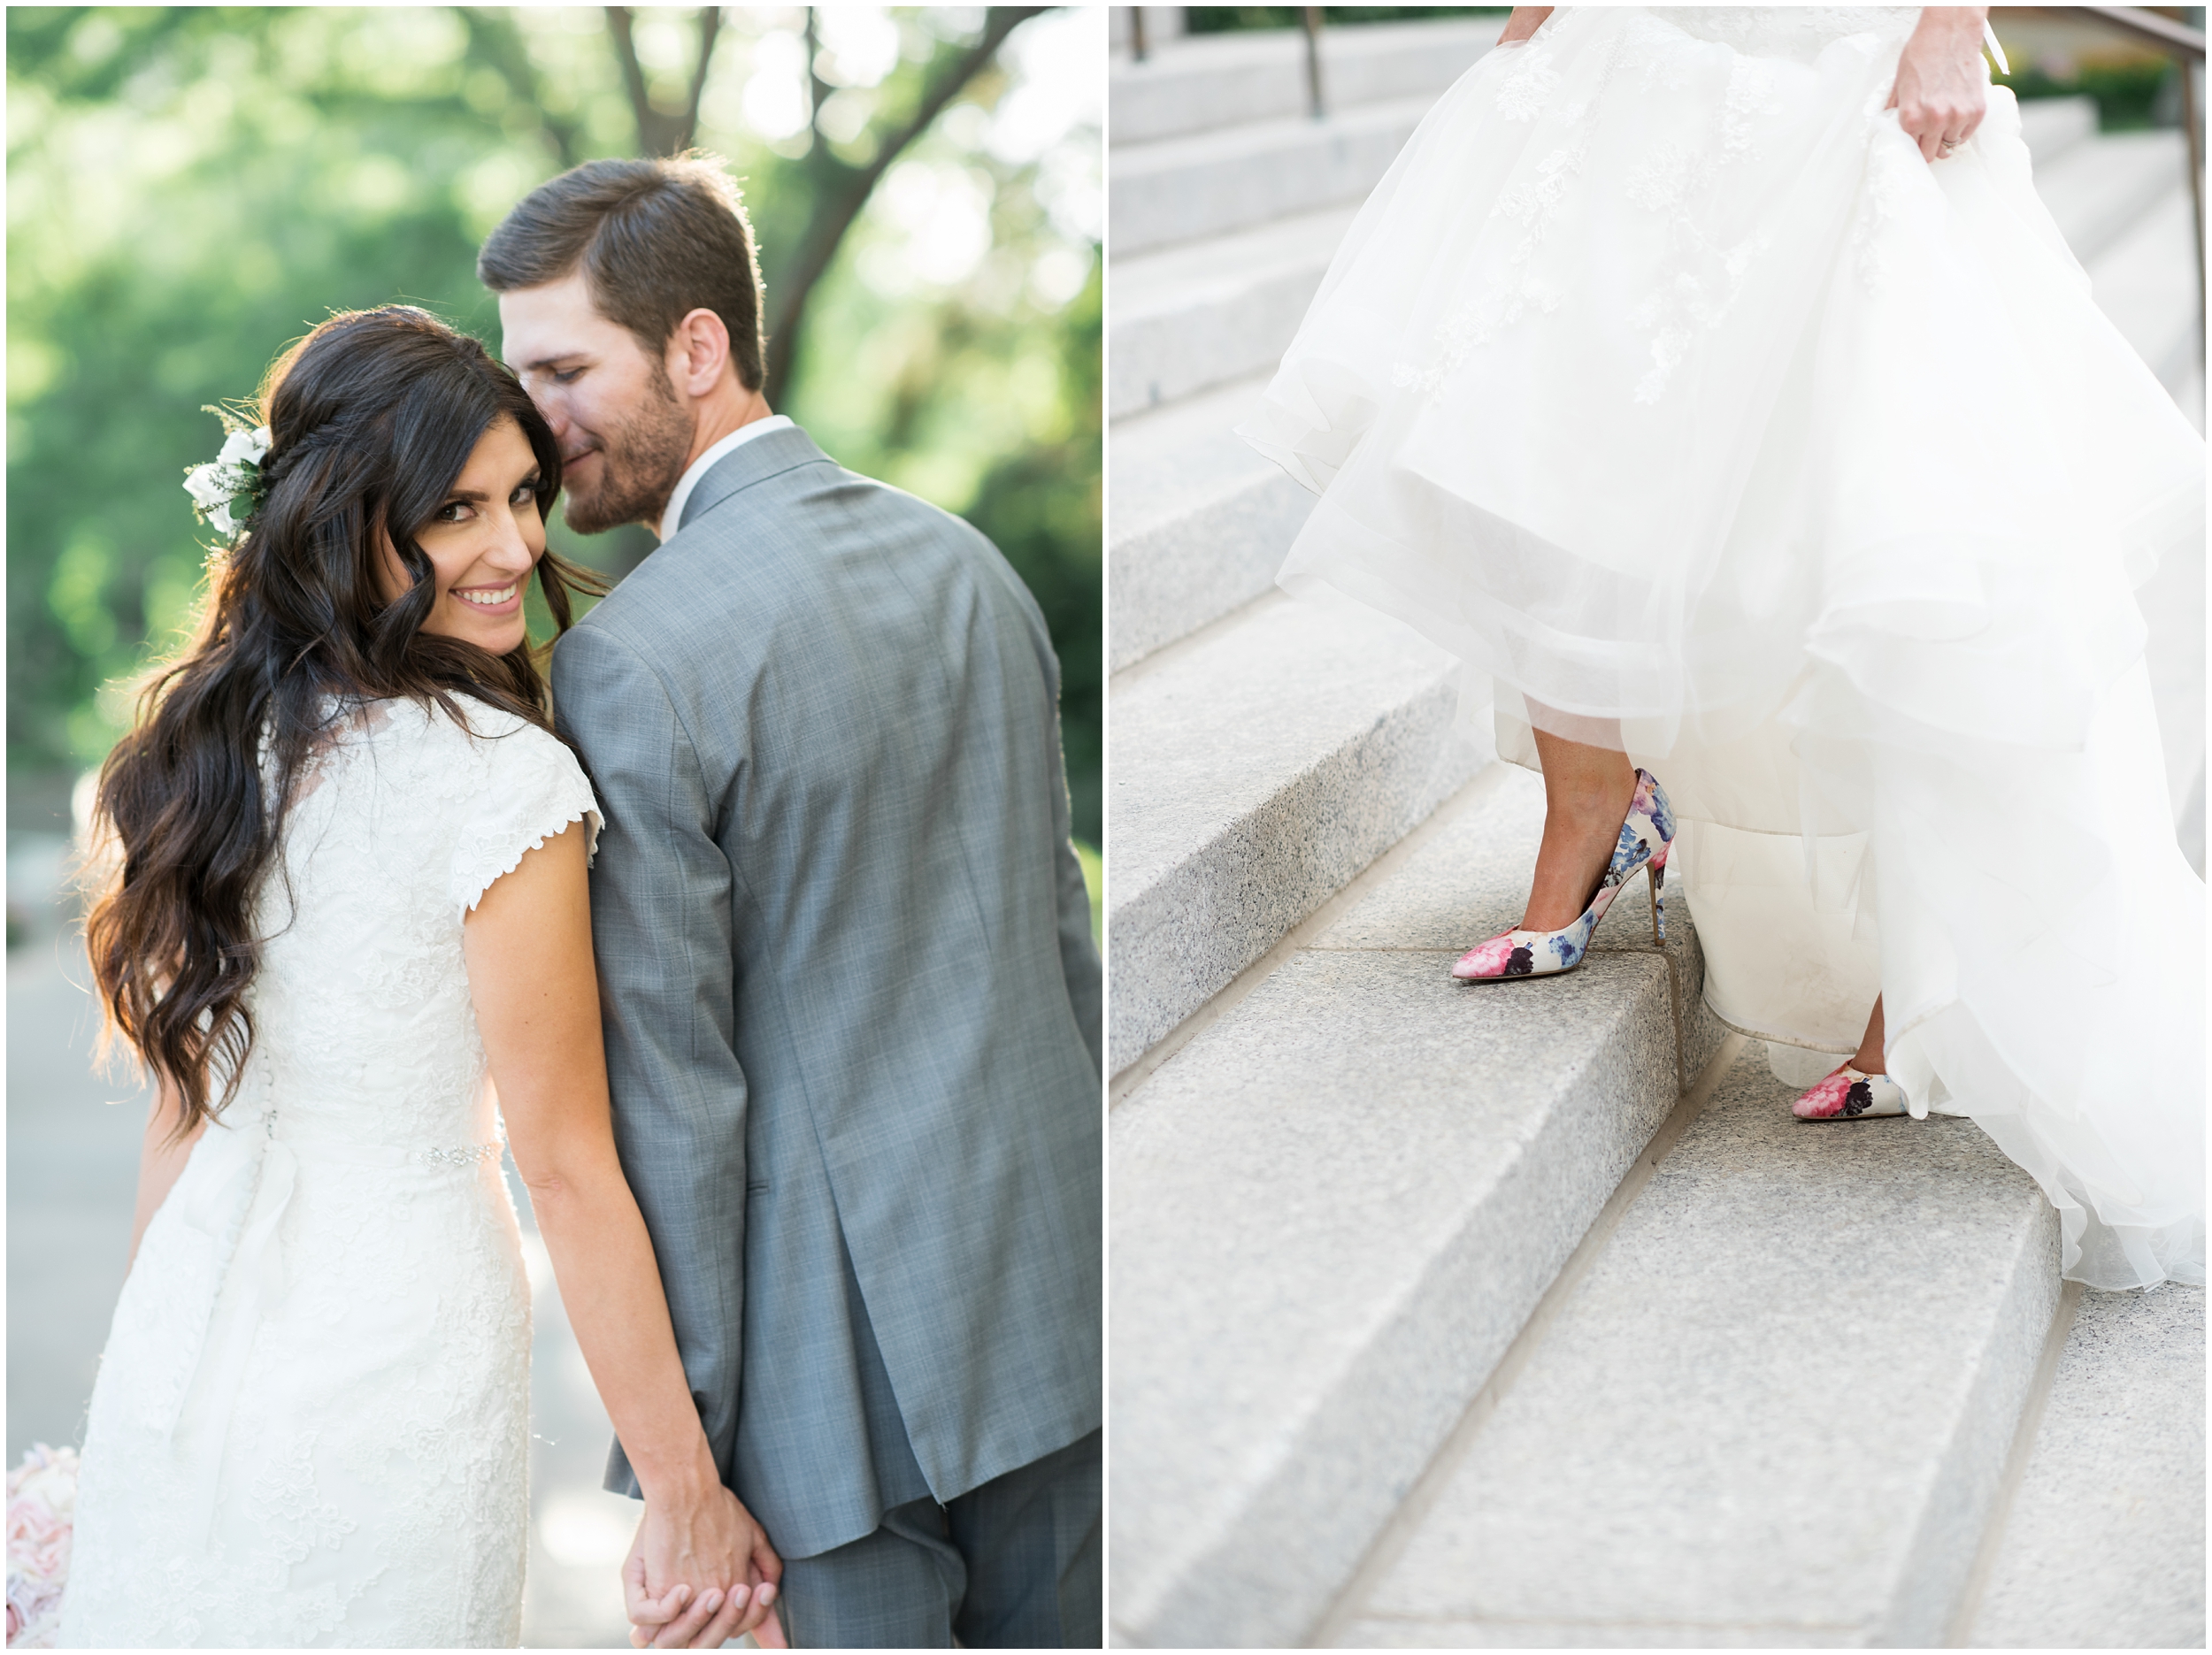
pixel 1941 93
pixel 701 1571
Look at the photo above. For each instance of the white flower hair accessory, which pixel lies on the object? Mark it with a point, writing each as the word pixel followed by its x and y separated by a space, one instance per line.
pixel 218 485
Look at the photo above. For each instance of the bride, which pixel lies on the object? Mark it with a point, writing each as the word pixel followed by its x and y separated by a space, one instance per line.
pixel 1712 380
pixel 345 886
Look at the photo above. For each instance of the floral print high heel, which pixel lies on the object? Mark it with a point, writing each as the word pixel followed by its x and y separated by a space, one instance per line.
pixel 1647 839
pixel 1850 1095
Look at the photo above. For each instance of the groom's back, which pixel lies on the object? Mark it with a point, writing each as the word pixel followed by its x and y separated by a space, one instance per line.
pixel 860 715
pixel 871 693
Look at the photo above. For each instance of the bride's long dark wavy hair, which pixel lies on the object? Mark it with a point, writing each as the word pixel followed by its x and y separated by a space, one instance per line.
pixel 371 417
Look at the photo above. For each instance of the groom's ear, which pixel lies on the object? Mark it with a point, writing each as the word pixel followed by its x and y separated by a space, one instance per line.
pixel 698 354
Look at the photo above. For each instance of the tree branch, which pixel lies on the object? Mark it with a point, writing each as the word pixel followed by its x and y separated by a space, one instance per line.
pixel 838 210
pixel 816 89
pixel 658 134
pixel 496 41
pixel 648 118
pixel 710 25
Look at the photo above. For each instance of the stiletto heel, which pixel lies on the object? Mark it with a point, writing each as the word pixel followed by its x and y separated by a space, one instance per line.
pixel 1654 880
pixel 1646 839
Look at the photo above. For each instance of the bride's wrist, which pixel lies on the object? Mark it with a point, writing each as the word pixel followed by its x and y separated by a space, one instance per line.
pixel 1962 22
pixel 677 1477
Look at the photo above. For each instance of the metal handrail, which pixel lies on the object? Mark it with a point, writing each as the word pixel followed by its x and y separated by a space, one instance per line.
pixel 2146 25
pixel 2185 46
pixel 1311 18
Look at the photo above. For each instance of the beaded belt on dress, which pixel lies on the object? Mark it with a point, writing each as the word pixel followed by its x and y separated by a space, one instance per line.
pixel 389 1154
pixel 465 1156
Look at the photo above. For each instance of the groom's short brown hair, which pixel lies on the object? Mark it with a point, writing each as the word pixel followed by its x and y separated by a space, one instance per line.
pixel 656 240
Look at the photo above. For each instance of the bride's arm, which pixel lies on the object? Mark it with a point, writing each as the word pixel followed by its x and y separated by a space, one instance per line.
pixel 161 1158
pixel 528 945
pixel 1526 20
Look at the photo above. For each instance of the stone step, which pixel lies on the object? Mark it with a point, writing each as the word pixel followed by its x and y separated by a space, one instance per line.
pixel 1257 769
pixel 2101 189
pixel 1192 317
pixel 1197 521
pixel 2145 279
pixel 1335 1206
pixel 1212 183
pixel 1205 81
pixel 2103 1547
pixel 2051 126
pixel 1775 1413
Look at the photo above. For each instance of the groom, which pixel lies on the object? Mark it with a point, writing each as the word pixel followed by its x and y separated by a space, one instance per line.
pixel 850 995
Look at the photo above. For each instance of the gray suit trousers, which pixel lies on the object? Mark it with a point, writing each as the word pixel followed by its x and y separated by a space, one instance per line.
pixel 1013 1565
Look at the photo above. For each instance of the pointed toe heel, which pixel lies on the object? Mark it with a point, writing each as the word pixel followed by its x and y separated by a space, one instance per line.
pixel 1647 839
pixel 1849 1095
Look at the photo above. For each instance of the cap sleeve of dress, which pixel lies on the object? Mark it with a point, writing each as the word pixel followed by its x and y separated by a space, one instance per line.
pixel 530 787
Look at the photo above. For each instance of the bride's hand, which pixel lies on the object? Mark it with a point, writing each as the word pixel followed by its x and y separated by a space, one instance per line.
pixel 1941 93
pixel 700 1572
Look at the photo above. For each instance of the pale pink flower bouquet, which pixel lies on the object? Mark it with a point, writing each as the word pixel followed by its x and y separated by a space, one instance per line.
pixel 42 1508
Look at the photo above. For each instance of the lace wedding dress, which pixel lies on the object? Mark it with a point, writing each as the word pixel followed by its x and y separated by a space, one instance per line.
pixel 1662 382
pixel 311 1423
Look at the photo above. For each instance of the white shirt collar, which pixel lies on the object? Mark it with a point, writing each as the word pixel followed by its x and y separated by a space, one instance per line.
pixel 673 514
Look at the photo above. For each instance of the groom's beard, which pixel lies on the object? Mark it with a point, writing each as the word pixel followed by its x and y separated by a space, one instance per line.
pixel 641 461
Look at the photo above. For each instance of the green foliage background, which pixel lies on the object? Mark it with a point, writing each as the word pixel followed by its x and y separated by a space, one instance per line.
pixel 190 189
pixel 2134 91
pixel 1213 20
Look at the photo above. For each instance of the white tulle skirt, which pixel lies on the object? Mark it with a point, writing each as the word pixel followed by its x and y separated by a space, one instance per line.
pixel 1662 382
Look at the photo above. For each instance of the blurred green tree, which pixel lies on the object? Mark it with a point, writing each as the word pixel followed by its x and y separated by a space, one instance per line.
pixel 192 187
pixel 1214 20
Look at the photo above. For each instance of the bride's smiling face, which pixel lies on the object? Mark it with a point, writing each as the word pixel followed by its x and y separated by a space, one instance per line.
pixel 482 544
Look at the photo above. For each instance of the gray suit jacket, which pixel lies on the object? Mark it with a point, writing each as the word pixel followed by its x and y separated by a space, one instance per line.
pixel 850 995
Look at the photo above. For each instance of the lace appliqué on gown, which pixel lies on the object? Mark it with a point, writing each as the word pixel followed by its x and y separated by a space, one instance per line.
pixel 1679 176
pixel 310 1425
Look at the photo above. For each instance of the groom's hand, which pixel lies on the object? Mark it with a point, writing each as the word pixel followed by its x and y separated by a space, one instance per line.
pixel 701 1571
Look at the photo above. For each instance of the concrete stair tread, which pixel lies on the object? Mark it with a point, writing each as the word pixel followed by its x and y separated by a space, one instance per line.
pixel 1333 1208
pixel 2100 188
pixel 2144 278
pixel 1130 165
pixel 1149 284
pixel 1257 769
pixel 2104 1544
pixel 1210 183
pixel 2145 281
pixel 1284 683
pixel 1170 460
pixel 1775 1410
pixel 1199 82
pixel 2051 126
pixel 1206 312
pixel 1197 520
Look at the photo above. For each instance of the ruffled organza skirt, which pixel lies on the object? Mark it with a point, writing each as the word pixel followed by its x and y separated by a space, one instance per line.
pixel 1662 382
